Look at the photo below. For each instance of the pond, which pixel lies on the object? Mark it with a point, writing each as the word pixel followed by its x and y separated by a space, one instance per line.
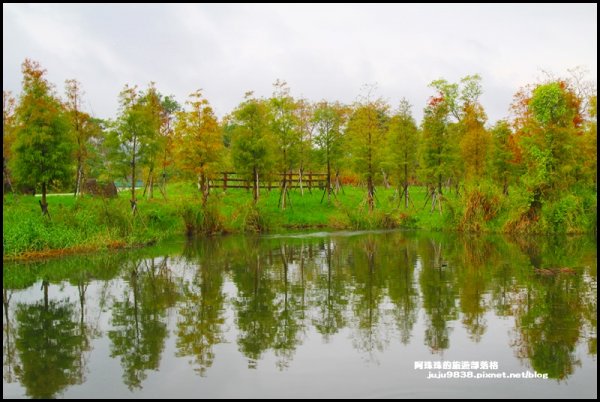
pixel 345 314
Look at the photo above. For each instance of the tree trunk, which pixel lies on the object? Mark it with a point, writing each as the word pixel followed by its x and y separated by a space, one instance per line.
pixel 370 193
pixel 283 190
pixel 44 194
pixel 405 186
pixel 43 203
pixel 79 152
pixel 203 184
pixel 149 184
pixel 164 175
pixel 255 193
pixel 133 200
pixel 6 177
pixel 385 181
pixel 79 178
pixel 338 185
pixel 328 184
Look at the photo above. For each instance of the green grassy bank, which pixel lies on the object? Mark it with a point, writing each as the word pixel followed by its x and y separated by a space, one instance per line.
pixel 88 224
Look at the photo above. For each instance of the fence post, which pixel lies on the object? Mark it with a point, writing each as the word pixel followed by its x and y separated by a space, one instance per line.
pixel 310 180
pixel 224 181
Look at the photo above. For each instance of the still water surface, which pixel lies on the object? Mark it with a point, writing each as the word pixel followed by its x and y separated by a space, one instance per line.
pixel 345 314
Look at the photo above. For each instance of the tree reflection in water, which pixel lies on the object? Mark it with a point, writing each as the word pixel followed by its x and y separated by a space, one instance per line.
pixel 49 343
pixel 138 319
pixel 280 291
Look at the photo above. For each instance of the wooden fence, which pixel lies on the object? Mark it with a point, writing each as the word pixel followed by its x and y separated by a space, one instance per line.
pixel 310 180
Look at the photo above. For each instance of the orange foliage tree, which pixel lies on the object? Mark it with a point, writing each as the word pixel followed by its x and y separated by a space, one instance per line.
pixel 199 143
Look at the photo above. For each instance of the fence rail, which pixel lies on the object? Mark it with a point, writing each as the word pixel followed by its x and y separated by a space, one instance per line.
pixel 310 180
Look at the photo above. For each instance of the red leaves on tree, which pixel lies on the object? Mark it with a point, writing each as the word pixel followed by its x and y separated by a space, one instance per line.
pixel 435 101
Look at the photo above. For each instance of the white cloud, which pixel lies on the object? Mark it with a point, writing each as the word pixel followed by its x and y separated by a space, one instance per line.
pixel 322 51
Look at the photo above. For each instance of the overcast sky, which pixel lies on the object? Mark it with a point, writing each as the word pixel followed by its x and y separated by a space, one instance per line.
pixel 322 51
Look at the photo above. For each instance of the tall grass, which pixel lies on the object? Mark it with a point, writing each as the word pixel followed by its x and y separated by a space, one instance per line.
pixel 82 223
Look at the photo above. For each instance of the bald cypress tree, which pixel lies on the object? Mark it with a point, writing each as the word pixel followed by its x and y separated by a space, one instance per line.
pixel 403 140
pixel 43 145
pixel 253 148
pixel 366 133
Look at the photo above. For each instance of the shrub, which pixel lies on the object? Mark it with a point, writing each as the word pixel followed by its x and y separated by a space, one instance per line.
pixel 211 219
pixel 200 219
pixel 254 219
pixel 565 215
pixel 192 217
pixel 475 208
pixel 523 213
pixel 407 221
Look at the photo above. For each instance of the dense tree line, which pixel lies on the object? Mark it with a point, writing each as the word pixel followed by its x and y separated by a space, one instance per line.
pixel 547 147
